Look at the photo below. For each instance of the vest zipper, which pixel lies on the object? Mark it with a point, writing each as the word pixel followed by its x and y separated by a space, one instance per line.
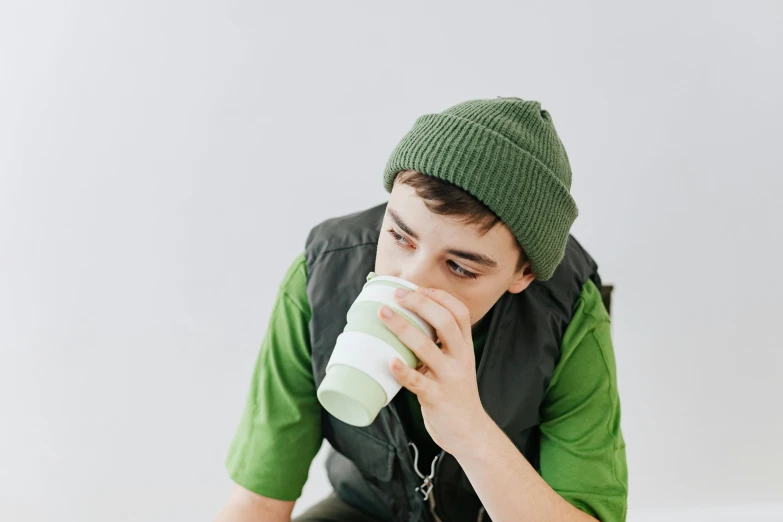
pixel 426 489
pixel 432 508
pixel 433 505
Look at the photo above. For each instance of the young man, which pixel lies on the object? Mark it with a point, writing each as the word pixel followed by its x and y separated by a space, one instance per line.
pixel 516 416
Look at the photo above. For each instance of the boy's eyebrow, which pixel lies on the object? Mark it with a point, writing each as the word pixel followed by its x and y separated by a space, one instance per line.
pixel 400 223
pixel 481 259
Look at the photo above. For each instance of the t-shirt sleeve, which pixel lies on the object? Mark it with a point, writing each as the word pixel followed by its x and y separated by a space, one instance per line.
pixel 279 433
pixel 582 446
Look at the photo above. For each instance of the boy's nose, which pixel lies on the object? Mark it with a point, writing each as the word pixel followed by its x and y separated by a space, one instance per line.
pixel 420 276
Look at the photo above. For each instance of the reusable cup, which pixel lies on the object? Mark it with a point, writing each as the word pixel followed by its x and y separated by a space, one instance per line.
pixel 358 382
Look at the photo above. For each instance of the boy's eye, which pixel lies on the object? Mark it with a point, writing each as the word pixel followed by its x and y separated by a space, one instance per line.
pixel 454 267
pixel 398 238
pixel 461 272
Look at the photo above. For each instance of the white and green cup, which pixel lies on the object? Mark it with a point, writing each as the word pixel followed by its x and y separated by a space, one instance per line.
pixel 358 382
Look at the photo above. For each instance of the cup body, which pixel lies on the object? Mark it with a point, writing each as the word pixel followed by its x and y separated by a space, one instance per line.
pixel 358 382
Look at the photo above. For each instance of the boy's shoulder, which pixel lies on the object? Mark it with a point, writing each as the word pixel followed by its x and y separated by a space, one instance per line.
pixel 357 228
pixel 572 274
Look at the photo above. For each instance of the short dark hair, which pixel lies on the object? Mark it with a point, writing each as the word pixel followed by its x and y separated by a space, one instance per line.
pixel 447 199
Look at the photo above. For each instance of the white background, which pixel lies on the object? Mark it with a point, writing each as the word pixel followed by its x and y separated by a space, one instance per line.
pixel 162 162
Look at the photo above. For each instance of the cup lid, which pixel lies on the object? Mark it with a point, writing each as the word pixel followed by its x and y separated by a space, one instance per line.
pixel 392 279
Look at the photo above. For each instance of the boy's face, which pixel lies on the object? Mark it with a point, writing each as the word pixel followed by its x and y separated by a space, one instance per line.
pixel 442 252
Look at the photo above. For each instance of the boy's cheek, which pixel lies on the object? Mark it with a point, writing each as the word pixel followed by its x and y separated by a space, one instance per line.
pixel 384 258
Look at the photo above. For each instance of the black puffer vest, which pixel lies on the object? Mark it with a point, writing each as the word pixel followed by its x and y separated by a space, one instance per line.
pixel 372 467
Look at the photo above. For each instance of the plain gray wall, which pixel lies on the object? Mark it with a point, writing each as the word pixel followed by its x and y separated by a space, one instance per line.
pixel 162 162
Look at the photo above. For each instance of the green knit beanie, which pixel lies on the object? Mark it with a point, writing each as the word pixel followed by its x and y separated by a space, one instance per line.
pixel 506 153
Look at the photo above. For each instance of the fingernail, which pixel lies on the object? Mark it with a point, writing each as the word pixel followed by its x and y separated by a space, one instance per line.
pixel 396 364
pixel 400 292
pixel 386 312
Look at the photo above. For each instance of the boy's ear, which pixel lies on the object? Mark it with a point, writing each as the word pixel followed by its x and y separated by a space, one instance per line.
pixel 522 279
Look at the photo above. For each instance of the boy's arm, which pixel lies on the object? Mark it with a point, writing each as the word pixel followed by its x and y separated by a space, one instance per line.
pixel 582 449
pixel 280 430
pixel 582 445
pixel 245 506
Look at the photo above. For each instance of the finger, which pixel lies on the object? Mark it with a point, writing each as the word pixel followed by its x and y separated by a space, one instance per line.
pixel 412 337
pixel 444 322
pixel 410 378
pixel 456 307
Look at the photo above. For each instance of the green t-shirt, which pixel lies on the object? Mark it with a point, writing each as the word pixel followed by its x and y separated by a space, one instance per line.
pixel 582 454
